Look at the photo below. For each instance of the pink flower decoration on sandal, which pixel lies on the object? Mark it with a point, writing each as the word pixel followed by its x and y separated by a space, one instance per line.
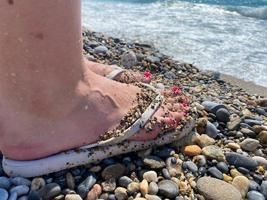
pixel 147 74
pixel 176 90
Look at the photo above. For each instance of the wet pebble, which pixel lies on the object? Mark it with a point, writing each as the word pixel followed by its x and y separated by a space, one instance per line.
pixel 168 189
pixel 49 191
pixel 84 187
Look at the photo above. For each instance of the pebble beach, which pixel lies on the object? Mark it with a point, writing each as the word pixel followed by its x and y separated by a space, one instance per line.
pixel 222 158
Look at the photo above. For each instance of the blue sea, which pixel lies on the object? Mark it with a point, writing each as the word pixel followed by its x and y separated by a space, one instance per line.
pixel 228 36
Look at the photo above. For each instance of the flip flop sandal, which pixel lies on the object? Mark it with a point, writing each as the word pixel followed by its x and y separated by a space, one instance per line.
pixel 98 151
pixel 115 72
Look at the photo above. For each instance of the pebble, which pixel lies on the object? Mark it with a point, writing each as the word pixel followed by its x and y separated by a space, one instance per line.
pixel 168 189
pixel 3 194
pixel 249 144
pixel 151 176
pixel 153 59
pixel 239 160
pixel 215 189
pixel 73 197
pixel 211 130
pixel 262 137
pixel 254 185
pixel 153 188
pixel 23 198
pixel 242 184
pixel 101 50
pixel 164 152
pixel 204 140
pixel 200 160
pixel 235 172
pixel 37 183
pixel 20 190
pixel 5 182
pixel 20 181
pixel 223 167
pixel 154 162
pixel 191 166
pixel 227 178
pixel 109 185
pixel 254 195
pixel 49 191
pixel 128 59
pixel 233 125
pixel 212 106
pixel 13 196
pixel 213 152
pixel 223 115
pixel 214 172
pixel 144 187
pixel 121 193
pixel 124 181
pixel 34 195
pixel 170 75
pixel 174 166
pixel 84 187
pixel 133 187
pixel 113 171
pixel 233 146
pixel 95 192
pixel 192 150
pixel 166 173
pixel 263 189
pixel 152 197
pixel 247 132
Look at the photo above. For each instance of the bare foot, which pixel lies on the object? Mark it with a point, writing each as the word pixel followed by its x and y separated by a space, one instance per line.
pixel 127 76
pixel 102 105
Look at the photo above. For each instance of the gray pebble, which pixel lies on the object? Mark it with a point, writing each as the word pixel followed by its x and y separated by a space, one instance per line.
pixel 5 182
pixel 23 198
pixel 34 195
pixel 253 185
pixel 3 194
pixel 168 189
pixel 166 173
pixel 254 195
pixel 49 191
pixel 214 172
pixel 239 160
pixel 13 196
pixel 128 59
pixel 20 190
pixel 20 181
pixel 84 187
pixel 264 188
pixel 211 130
pixel 153 188
pixel 152 59
pixel 101 50
pixel 37 183
pixel 124 181
pixel 191 166
pixel 223 115
pixel 223 167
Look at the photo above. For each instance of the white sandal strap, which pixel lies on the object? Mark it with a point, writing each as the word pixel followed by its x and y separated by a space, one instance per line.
pixel 115 72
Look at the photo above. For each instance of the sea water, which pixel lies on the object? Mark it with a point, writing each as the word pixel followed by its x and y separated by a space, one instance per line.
pixel 228 36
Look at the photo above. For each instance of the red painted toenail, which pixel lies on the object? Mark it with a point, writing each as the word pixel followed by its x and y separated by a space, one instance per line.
pixel 147 74
pixel 176 90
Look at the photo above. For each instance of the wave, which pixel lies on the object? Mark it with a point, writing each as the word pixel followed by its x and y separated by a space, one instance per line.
pixel 254 12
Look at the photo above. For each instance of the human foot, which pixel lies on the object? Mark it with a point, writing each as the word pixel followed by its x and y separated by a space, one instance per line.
pixel 102 105
pixel 126 76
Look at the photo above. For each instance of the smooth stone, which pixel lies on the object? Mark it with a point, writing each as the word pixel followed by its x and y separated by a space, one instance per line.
pixel 150 176
pixel 128 59
pixel 191 166
pixel 152 197
pixel 213 152
pixel 70 181
pixel 204 140
pixel 166 173
pixel 253 185
pixel 249 144
pixel 223 115
pixel 248 133
pixel 200 160
pixel 95 192
pixel 144 187
pixel 212 106
pixel 23 198
pixel 164 152
pixel 20 181
pixel 262 137
pixel 170 75
pixel 154 162
pixel 242 184
pixel 153 59
pixel 260 160
pixel 214 172
pixel 85 186
pixel 263 189
pixel 252 122
pixel 13 196
pixel 3 194
pixel 202 171
pixel 49 191
pixel 101 50
pixel 239 160
pixel 211 130
pixel 235 172
pixel 168 189
pixel 121 193
pixel 124 181
pixel 113 171
pixel 133 187
pixel 5 182
pixel 34 195
pixel 192 150
pixel 227 178
pixel 234 125
pixel 73 197
pixel 111 197
pixel 37 183
pixel 153 188
pixel 233 146
pixel 109 185
pixel 215 189
pixel 20 190
pixel 243 170
pixel 223 167
pixel 254 195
